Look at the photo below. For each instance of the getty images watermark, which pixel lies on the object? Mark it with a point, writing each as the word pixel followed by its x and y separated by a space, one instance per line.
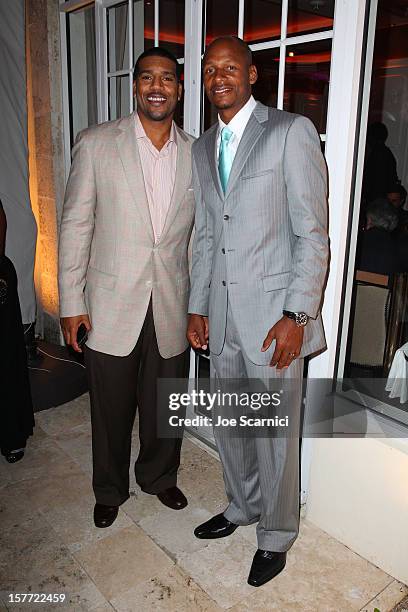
pixel 217 402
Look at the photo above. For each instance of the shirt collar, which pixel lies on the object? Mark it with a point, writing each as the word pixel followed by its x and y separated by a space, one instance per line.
pixel 239 121
pixel 140 131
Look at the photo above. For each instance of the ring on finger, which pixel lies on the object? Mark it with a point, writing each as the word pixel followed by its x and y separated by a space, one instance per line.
pixel 293 355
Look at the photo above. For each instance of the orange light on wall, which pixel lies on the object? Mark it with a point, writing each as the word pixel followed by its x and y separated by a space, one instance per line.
pixel 42 198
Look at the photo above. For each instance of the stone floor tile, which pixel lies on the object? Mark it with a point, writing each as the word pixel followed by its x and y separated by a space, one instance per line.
pixel 171 591
pixel 65 417
pixel 141 505
pixel 200 478
pixel 33 559
pixel 122 560
pixel 321 575
pixel 173 530
pixel 42 462
pixel 77 444
pixel 5 473
pixel 73 522
pixel 221 569
pixel 388 598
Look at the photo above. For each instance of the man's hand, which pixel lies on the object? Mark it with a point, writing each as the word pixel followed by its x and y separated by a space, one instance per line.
pixel 197 331
pixel 289 339
pixel 70 326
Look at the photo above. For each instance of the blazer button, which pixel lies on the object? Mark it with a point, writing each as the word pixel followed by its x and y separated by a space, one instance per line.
pixel 226 217
pixel 223 251
pixel 224 283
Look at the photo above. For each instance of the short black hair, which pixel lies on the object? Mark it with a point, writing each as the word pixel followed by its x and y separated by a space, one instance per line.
pixel 398 188
pixel 157 52
pixel 241 43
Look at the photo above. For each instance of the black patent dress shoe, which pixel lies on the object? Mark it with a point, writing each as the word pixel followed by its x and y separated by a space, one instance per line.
pixel 14 455
pixel 173 498
pixel 217 527
pixel 104 516
pixel 265 566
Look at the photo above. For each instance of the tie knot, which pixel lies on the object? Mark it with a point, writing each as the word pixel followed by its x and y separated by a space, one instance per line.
pixel 226 134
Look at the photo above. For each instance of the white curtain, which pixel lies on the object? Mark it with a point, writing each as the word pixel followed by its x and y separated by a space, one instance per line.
pixel 14 191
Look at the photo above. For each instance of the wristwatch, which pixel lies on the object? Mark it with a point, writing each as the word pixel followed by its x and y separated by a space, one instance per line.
pixel 300 318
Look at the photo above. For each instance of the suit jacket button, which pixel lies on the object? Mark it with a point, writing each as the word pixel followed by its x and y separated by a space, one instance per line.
pixel 224 283
pixel 223 251
pixel 226 217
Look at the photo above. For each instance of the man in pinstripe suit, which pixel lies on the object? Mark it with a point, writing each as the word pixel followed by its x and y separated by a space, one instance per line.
pixel 259 264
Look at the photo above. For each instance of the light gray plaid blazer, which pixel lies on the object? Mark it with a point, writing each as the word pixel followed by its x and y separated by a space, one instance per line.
pixel 109 265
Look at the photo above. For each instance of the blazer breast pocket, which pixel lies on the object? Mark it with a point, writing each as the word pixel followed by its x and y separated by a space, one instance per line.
pixel 246 177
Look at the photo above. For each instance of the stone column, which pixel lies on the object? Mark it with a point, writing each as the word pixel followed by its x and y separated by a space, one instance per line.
pixel 45 141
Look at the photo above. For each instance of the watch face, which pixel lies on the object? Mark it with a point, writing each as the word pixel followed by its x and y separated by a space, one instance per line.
pixel 301 319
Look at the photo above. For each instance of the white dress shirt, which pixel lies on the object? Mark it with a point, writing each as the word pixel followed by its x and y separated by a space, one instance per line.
pixel 237 125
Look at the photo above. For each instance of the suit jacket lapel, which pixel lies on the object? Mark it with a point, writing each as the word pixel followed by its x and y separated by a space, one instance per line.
pixel 129 154
pixel 210 144
pixel 252 133
pixel 182 180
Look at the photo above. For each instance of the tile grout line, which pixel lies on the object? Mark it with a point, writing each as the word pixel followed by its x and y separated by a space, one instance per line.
pixel 378 594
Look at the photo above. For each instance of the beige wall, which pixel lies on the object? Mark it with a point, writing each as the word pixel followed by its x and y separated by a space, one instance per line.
pixel 359 495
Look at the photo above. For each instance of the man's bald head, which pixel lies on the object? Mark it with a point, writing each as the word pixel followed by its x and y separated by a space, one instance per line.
pixel 240 45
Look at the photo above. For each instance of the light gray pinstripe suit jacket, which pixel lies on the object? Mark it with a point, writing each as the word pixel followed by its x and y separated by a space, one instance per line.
pixel 272 225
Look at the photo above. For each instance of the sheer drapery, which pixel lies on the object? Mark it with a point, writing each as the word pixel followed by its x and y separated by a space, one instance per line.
pixel 14 191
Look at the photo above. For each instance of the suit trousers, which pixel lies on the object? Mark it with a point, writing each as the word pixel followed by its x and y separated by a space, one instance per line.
pixel 118 386
pixel 261 474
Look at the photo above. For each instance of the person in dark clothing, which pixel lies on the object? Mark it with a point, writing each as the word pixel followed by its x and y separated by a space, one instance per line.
pixel 377 250
pixel 397 197
pixel 380 169
pixel 16 409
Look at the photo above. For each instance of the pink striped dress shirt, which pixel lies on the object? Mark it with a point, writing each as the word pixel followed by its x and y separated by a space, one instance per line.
pixel 159 173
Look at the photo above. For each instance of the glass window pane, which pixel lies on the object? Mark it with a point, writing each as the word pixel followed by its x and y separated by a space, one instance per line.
pixel 309 16
pixel 171 26
pixel 220 18
pixel 118 96
pixel 118 37
pixel 262 20
pixel 307 74
pixel 143 26
pixel 266 88
pixel 379 311
pixel 81 69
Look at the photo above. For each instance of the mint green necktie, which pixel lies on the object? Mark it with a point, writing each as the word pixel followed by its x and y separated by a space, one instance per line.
pixel 225 157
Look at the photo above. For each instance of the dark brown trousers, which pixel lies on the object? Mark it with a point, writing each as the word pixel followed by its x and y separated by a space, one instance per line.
pixel 119 385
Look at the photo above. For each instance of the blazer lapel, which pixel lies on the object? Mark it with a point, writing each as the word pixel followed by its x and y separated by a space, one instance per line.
pixel 182 180
pixel 252 133
pixel 129 154
pixel 210 144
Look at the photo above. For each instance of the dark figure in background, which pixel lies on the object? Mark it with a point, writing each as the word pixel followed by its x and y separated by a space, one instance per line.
pixel 380 170
pixel 16 409
pixel 377 246
pixel 397 197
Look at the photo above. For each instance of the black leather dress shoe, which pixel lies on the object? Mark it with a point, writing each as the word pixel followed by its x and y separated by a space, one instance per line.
pixel 104 516
pixel 14 456
pixel 265 566
pixel 173 498
pixel 217 527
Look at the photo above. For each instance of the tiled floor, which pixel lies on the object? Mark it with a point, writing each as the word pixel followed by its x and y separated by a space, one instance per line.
pixel 149 559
